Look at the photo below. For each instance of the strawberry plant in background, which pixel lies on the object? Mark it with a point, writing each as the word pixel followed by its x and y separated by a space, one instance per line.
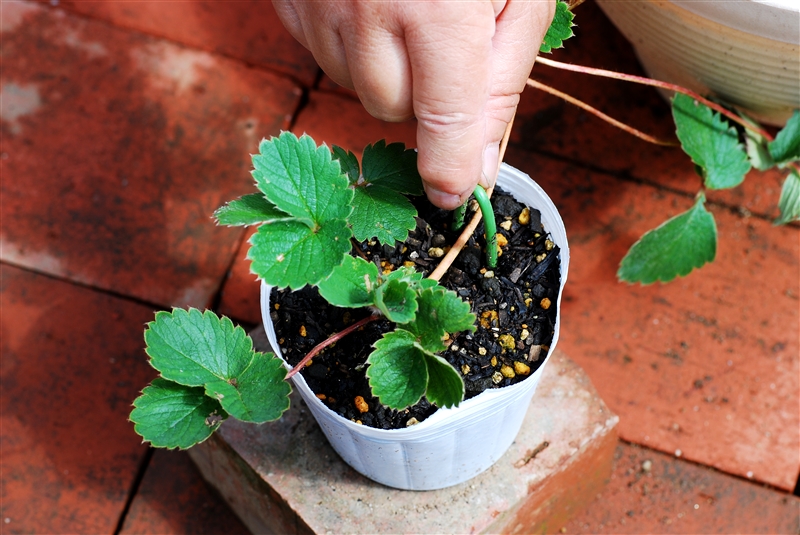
pixel 724 146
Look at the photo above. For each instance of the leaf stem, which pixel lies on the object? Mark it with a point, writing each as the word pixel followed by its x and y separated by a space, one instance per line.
pixel 654 83
pixel 600 114
pixel 463 238
pixel 489 225
pixel 330 340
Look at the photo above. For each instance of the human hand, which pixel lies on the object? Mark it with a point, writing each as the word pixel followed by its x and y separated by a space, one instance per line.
pixel 457 66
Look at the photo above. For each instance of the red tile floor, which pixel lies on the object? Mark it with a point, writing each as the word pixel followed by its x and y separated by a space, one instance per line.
pixel 124 124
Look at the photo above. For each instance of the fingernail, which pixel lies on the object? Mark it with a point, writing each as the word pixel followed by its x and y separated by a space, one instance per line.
pixel 444 200
pixel 490 155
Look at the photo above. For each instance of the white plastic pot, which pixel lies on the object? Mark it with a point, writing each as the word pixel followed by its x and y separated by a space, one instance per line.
pixel 746 52
pixel 452 445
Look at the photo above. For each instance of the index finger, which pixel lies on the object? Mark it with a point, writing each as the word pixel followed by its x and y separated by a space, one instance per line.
pixel 450 52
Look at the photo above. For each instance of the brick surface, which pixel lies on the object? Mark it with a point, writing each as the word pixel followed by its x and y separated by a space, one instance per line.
pixel 547 124
pixel 285 478
pixel 118 147
pixel 72 364
pixel 248 30
pixel 336 120
pixel 707 365
pixel 174 499
pixel 650 492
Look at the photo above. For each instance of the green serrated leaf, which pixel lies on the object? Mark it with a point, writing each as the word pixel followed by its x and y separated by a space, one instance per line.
pixel 560 29
pixel 302 179
pixel 259 394
pixel 440 311
pixel 381 213
pixel 346 286
pixel 398 375
pixel 397 300
pixel 289 253
pixel 249 210
pixel 349 163
pixel 194 348
pixel 170 415
pixel 681 244
pixel 407 274
pixel 392 166
pixel 445 385
pixel 203 350
pixel 789 202
pixel 710 142
pixel 785 147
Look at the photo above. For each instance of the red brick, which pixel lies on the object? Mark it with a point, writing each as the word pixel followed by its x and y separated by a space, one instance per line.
pixel 283 477
pixel 117 149
pixel 72 364
pixel 248 30
pixel 241 292
pixel 335 120
pixel 173 498
pixel 708 364
pixel 650 492
pixel 547 124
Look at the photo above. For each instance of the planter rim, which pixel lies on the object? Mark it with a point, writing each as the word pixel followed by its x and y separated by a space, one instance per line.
pixel 772 19
pixel 471 406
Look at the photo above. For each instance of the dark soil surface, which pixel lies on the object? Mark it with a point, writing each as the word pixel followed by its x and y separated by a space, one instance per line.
pixel 515 305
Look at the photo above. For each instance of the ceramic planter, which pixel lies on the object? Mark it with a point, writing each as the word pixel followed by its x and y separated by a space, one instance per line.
pixel 744 52
pixel 453 445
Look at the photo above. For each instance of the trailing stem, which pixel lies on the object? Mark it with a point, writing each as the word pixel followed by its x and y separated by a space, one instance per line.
pixel 572 100
pixel 643 81
pixel 333 338
pixel 655 83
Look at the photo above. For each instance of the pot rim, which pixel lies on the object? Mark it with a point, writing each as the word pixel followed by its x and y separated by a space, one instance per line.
pixel 467 408
pixel 778 20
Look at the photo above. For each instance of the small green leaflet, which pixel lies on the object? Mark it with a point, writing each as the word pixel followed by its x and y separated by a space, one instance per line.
pixel 397 300
pixel 560 29
pixel 711 143
pixel 250 209
pixel 169 415
pixel 401 371
pixel 398 374
pixel 789 202
pixel 785 147
pixel 675 248
pixel 288 253
pixel 413 277
pixel 440 311
pixel 303 181
pixel 757 151
pixel 193 348
pixel 348 162
pixel 445 385
pixel 202 350
pixel 347 286
pixel 380 210
pixel 393 166
pixel 382 213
